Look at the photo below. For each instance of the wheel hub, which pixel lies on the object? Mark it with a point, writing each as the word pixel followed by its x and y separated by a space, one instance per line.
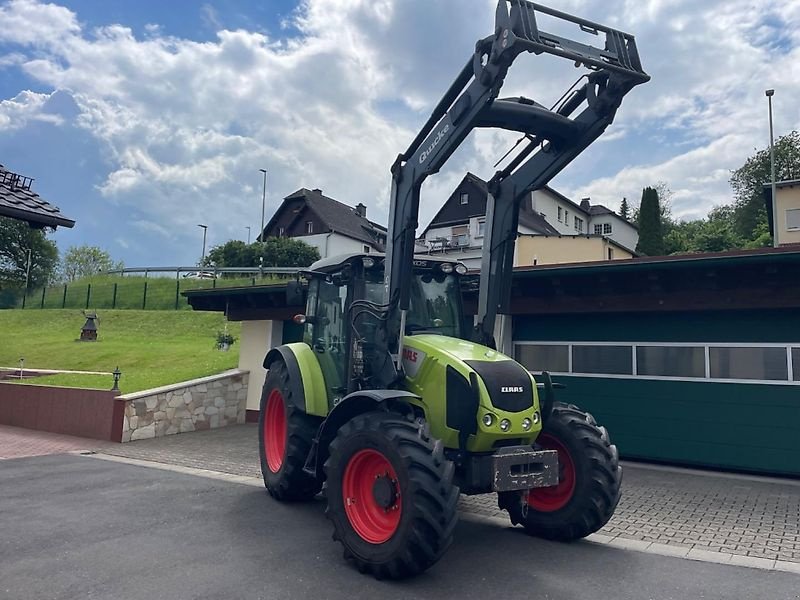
pixel 384 491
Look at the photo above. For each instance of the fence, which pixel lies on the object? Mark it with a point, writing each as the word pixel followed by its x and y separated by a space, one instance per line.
pixel 126 290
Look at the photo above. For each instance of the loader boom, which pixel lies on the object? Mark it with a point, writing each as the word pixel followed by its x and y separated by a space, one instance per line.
pixel 554 137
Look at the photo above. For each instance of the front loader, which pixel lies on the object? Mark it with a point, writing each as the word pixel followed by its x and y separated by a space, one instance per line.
pixel 391 404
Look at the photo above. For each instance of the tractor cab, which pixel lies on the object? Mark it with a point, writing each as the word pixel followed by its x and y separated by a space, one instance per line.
pixel 342 318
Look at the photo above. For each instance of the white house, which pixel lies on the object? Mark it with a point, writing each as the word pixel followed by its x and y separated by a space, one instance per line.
pixel 327 224
pixel 551 219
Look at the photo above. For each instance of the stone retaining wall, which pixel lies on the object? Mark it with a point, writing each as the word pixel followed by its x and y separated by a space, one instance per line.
pixel 205 403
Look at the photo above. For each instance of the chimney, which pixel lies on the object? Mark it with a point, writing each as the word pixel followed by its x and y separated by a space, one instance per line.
pixel 319 191
pixel 361 210
pixel 585 204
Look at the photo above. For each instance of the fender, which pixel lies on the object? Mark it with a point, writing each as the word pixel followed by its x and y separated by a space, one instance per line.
pixel 348 407
pixel 305 376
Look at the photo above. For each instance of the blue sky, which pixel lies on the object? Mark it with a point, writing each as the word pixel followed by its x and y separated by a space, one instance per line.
pixel 143 119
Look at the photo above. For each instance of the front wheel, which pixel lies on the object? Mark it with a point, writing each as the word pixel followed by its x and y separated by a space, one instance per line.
pixel 390 495
pixel 589 480
pixel 285 435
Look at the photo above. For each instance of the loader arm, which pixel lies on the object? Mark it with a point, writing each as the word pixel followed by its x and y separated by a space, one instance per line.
pixel 554 138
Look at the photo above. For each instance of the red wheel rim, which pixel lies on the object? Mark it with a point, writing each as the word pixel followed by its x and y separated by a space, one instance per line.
pixel 549 499
pixel 275 431
pixel 373 522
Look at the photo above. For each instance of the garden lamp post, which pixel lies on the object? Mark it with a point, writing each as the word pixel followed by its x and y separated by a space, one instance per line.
pixel 769 94
pixel 117 374
pixel 203 256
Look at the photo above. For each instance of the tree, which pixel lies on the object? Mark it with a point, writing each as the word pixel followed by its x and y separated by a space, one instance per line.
pixel 276 252
pixel 748 184
pixel 233 253
pixel 16 238
pixel 651 232
pixel 624 209
pixel 85 261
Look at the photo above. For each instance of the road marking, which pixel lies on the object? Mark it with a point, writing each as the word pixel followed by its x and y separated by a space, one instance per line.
pixel 697 553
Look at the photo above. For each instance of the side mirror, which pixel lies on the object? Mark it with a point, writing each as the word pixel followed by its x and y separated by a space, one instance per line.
pixel 295 295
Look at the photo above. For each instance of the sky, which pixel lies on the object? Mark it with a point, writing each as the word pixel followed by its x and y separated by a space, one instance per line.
pixel 141 120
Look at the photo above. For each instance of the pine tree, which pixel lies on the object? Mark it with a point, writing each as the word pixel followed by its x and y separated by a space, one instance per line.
pixel 624 209
pixel 651 233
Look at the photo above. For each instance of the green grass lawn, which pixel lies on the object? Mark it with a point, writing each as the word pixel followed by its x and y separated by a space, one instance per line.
pixel 150 347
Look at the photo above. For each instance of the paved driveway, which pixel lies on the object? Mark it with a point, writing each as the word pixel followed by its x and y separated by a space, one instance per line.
pixel 79 527
pixel 756 519
pixel 16 442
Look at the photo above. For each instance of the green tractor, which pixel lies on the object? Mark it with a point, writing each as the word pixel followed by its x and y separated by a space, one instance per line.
pixel 393 404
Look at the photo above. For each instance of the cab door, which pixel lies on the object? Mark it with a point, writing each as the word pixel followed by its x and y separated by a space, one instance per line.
pixel 327 332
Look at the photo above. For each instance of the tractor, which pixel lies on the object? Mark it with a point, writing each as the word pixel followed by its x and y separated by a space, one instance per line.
pixel 394 404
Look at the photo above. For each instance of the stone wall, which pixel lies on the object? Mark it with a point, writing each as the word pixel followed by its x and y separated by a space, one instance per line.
pixel 205 403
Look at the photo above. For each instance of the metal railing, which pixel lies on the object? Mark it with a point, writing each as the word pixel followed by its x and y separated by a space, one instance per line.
pixel 149 288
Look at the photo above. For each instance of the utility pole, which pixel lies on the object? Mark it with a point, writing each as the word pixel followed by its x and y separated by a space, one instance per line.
pixel 203 256
pixel 248 234
pixel 263 204
pixel 769 94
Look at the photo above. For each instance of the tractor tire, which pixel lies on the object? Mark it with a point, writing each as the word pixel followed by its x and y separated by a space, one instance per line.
pixel 390 495
pixel 285 435
pixel 589 480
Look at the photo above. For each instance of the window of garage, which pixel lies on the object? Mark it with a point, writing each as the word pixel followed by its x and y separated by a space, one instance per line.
pixel 722 362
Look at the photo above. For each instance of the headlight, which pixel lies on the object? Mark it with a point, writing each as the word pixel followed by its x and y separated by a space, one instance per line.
pixel 537 417
pixel 526 423
pixel 461 269
pixel 505 425
pixel 446 268
pixel 488 419
pixel 368 262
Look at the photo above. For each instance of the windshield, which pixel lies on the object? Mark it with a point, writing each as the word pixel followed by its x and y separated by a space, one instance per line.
pixel 435 302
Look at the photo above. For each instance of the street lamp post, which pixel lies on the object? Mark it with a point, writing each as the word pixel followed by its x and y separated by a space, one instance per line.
pixel 203 256
pixel 263 203
pixel 248 234
pixel 769 94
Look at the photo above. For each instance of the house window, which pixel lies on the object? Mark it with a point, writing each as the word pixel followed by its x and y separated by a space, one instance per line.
pixel 481 228
pixel 281 231
pixel 796 364
pixel 578 224
pixel 366 249
pixel 465 198
pixel 309 226
pixel 748 363
pixel 598 230
pixel 566 218
pixel 560 212
pixel 610 254
pixel 460 235
pixel 793 219
pixel 606 228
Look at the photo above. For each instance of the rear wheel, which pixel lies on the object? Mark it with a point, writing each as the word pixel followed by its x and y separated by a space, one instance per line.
pixel 390 495
pixel 285 435
pixel 589 480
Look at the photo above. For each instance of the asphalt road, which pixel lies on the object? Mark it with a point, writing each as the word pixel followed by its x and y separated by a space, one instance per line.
pixel 78 527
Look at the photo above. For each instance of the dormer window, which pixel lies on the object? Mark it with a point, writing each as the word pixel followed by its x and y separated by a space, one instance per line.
pixel 281 231
pixel 464 198
pixel 309 226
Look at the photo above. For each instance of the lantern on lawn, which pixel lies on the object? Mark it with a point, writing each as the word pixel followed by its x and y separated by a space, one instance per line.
pixel 89 331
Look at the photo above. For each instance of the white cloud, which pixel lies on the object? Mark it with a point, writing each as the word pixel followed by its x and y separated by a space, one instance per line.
pixel 24 107
pixel 185 125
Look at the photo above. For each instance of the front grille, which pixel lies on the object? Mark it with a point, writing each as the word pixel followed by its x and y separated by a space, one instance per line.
pixel 509 384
